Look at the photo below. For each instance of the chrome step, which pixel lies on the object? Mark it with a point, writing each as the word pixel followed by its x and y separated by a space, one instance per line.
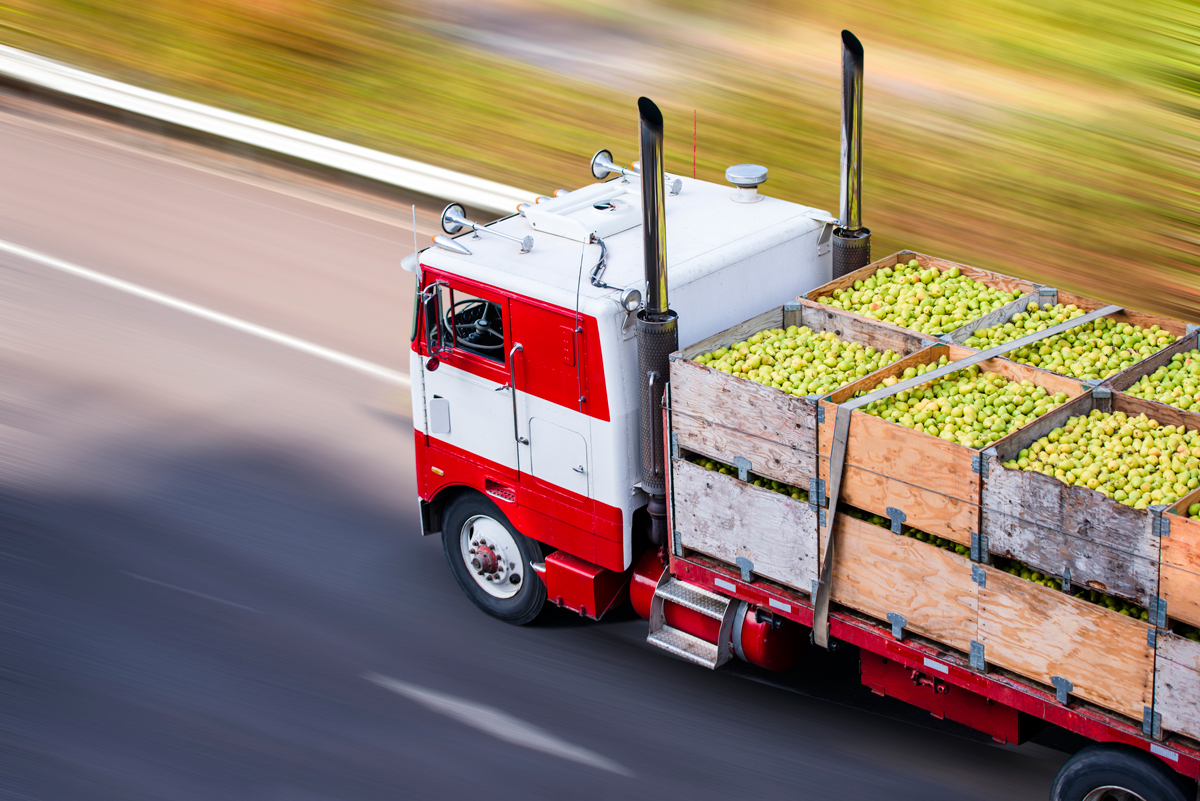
pixel 686 646
pixel 695 598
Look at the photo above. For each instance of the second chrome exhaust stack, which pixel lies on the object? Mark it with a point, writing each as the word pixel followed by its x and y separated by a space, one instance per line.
pixel 657 332
pixel 851 241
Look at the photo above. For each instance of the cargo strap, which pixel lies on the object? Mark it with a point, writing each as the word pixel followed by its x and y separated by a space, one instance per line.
pixel 841 430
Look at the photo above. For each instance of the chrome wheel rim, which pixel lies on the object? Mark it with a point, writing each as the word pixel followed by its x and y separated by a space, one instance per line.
pixel 491 556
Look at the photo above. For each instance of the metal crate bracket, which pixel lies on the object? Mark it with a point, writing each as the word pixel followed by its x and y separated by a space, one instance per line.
pixel 1062 688
pixel 898 623
pixel 897 517
pixel 745 565
pixel 743 466
pixel 978 660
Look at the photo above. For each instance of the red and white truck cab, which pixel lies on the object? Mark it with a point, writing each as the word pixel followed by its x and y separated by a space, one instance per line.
pixel 525 398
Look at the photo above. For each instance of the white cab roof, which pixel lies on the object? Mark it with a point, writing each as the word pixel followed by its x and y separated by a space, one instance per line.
pixel 706 230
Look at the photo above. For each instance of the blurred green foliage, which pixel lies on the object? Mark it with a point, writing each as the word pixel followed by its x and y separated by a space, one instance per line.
pixel 1055 140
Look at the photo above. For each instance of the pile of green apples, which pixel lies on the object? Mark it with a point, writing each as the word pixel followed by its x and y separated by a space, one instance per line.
pixel 766 483
pixel 1176 383
pixel 970 407
pixel 798 360
pixel 1132 460
pixel 925 300
pixel 1193 511
pixel 1094 350
pixel 1184 630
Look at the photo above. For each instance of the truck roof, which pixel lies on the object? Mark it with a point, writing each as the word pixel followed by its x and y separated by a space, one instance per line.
pixel 706 231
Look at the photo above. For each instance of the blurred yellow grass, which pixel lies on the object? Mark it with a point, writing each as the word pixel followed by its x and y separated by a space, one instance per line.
pixel 1053 140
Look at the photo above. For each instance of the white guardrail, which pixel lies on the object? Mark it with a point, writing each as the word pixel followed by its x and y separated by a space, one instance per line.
pixel 383 167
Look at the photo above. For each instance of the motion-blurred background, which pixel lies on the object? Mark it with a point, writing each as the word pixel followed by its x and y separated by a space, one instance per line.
pixel 1050 139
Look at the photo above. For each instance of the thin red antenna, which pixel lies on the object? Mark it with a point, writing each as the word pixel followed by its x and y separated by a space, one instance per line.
pixel 693 143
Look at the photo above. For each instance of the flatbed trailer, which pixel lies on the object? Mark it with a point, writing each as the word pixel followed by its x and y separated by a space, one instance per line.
pixel 565 446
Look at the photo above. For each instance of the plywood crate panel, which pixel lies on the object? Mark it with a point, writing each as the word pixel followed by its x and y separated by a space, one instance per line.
pixel 876 572
pixel 1179 573
pixel 1040 633
pixel 723 416
pixel 725 518
pixel 1051 526
pixel 932 481
pixel 987 277
pixel 1129 316
pixel 1177 684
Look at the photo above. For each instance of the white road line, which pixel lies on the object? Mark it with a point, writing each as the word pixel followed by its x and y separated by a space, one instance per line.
pixel 498 724
pixel 149 580
pixel 301 345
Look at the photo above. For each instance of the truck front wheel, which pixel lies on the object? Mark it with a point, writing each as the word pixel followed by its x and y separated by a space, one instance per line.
pixel 490 560
pixel 1115 773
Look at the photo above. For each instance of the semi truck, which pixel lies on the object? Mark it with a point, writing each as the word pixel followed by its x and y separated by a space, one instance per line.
pixel 576 446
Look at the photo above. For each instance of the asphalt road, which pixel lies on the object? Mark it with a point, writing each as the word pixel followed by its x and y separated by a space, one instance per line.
pixel 209 555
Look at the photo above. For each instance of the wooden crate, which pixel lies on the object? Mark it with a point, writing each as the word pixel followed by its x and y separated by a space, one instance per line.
pixel 1177 684
pixel 728 519
pixel 1179 573
pixel 994 280
pixel 1087 304
pixel 877 572
pixel 722 416
pixel 932 481
pixel 1040 633
pixel 1052 526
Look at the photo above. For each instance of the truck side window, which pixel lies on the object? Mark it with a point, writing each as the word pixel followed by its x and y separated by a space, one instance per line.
pixel 478 325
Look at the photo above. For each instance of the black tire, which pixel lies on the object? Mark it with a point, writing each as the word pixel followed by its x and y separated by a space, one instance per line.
pixel 530 596
pixel 1100 766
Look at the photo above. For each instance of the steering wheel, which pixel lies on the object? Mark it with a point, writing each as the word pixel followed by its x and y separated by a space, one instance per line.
pixel 477 324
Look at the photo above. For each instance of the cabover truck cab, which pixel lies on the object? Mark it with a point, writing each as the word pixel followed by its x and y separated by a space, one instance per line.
pixel 563 426
pixel 527 417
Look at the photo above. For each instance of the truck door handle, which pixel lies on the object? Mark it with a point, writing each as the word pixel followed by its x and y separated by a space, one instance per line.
pixel 578 469
pixel 512 382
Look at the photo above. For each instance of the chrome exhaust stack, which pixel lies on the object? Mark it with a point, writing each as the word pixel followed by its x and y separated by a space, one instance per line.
pixel 657 330
pixel 851 241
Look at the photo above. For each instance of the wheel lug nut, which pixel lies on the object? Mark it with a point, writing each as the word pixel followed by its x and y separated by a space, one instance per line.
pixel 471 550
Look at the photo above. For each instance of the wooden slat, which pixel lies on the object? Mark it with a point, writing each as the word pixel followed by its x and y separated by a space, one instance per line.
pixel 1177 684
pixel 877 572
pixel 1050 525
pixel 1179 576
pixel 772 318
pixel 1040 633
pixel 725 518
pixel 722 416
pixel 928 478
pixel 850 327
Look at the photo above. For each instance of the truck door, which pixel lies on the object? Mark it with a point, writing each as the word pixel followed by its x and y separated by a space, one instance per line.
pixel 468 401
pixel 551 383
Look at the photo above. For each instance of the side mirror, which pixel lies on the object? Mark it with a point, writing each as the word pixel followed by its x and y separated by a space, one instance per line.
pixel 436 340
